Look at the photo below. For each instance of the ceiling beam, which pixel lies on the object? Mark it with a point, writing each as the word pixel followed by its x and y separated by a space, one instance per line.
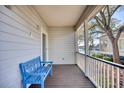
pixel 88 13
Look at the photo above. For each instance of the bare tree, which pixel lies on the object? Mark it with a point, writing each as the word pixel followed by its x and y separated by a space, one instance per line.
pixel 105 23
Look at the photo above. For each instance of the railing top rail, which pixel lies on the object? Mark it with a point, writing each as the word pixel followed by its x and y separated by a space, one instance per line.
pixel 107 62
pixel 104 61
pixel 80 53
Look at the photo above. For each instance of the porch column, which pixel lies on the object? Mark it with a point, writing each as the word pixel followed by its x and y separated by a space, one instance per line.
pixel 86 43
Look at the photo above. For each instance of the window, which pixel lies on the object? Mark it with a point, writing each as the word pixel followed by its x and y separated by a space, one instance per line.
pixel 94 37
pixel 80 40
pixel 121 44
pixel 103 28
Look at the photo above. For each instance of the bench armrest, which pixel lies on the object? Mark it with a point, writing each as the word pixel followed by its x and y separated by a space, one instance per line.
pixel 47 62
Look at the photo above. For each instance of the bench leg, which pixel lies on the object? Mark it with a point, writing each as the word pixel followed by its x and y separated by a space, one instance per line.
pixel 51 73
pixel 42 85
pixel 24 85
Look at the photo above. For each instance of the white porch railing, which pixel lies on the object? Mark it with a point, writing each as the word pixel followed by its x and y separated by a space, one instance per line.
pixel 103 74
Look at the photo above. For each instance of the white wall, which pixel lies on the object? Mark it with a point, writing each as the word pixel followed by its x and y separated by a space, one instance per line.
pixel 20 40
pixel 80 60
pixel 61 45
pixel 44 31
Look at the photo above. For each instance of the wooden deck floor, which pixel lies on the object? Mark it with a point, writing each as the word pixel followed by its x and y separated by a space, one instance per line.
pixel 67 76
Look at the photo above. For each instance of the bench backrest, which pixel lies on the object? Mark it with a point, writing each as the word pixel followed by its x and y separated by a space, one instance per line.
pixel 29 66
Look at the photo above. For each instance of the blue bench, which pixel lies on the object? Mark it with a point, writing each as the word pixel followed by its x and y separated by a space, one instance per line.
pixel 35 71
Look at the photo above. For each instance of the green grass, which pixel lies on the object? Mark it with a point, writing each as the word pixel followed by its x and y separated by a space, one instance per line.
pixel 102 56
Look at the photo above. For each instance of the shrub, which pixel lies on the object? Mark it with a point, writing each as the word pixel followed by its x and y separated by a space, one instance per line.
pixel 99 56
pixel 102 56
pixel 94 55
pixel 108 58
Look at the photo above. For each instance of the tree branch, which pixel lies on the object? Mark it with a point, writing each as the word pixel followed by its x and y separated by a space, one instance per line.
pixel 92 26
pixel 121 29
pixel 99 22
pixel 103 18
pixel 105 29
pixel 97 32
pixel 97 18
pixel 109 16
pixel 115 9
pixel 104 9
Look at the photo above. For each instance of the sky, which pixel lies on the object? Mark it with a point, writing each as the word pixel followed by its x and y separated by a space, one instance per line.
pixel 119 15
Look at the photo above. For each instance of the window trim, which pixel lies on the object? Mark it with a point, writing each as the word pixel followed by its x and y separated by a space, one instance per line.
pixel 120 44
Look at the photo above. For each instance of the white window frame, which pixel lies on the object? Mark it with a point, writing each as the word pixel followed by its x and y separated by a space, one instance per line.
pixel 120 44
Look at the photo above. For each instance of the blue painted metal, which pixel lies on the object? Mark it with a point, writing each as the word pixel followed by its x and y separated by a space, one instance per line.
pixel 35 71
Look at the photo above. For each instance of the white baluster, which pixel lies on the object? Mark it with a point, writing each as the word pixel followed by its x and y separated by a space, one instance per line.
pixel 96 70
pixel 93 69
pixel 118 77
pixel 90 67
pixel 112 76
pixel 123 79
pixel 101 75
pixel 107 75
pixel 86 66
pixel 104 78
pixel 83 63
pixel 98 73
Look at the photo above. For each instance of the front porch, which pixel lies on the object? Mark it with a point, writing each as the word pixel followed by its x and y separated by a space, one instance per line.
pixel 52 33
pixel 67 76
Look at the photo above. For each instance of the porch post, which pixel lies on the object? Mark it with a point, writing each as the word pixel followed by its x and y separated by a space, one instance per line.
pixel 86 43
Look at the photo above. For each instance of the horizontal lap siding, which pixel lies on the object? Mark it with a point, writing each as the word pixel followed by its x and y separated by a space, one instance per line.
pixel 20 40
pixel 61 45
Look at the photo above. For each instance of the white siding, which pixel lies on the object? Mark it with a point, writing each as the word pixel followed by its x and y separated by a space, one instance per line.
pixel 61 45
pixel 20 40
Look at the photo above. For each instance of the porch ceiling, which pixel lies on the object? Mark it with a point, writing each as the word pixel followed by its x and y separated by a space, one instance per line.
pixel 60 15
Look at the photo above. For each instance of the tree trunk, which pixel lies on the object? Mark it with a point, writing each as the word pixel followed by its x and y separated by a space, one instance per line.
pixel 116 57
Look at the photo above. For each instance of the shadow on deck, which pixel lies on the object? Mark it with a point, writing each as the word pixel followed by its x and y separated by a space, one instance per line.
pixel 67 76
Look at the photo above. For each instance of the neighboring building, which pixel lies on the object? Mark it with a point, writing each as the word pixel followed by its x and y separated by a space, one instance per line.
pixel 106 47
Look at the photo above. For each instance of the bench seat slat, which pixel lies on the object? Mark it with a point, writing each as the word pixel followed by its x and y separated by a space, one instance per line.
pixel 42 70
pixel 34 79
